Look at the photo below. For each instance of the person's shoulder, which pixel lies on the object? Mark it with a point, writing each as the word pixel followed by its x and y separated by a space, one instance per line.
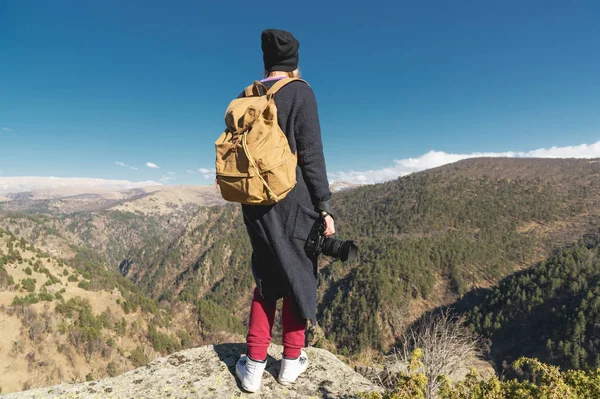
pixel 299 89
pixel 301 85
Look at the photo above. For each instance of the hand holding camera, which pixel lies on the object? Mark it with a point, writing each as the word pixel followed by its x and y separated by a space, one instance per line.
pixel 329 224
pixel 319 240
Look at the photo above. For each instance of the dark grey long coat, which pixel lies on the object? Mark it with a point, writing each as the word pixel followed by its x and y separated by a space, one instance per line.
pixel 280 265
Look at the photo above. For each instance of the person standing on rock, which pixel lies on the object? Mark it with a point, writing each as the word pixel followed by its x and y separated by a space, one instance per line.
pixel 280 265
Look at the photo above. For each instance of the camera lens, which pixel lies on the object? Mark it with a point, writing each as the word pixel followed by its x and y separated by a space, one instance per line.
pixel 344 250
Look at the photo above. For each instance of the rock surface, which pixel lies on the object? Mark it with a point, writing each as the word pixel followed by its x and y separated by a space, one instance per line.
pixel 209 372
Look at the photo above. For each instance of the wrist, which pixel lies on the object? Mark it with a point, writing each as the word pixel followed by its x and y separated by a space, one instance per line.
pixel 324 214
pixel 324 206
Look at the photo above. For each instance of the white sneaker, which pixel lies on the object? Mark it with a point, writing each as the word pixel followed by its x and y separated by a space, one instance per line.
pixel 291 369
pixel 250 373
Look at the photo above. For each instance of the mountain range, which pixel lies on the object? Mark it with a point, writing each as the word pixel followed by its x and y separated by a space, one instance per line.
pixel 426 240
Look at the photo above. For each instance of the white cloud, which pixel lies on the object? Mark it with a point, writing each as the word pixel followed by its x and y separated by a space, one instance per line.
pixel 152 165
pixel 168 176
pixel 207 173
pixel 191 171
pixel 30 183
pixel 125 165
pixel 6 129
pixel 432 159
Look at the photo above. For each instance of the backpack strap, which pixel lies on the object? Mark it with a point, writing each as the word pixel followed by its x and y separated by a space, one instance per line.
pixel 254 89
pixel 281 83
pixel 270 192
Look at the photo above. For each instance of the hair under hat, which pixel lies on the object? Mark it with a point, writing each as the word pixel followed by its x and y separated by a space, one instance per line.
pixel 280 50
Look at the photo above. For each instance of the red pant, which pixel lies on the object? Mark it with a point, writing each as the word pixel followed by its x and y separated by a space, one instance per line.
pixel 262 316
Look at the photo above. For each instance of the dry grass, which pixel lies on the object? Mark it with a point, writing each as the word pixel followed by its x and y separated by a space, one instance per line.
pixel 164 200
pixel 30 339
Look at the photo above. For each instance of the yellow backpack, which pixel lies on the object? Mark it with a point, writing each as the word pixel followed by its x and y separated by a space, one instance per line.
pixel 255 164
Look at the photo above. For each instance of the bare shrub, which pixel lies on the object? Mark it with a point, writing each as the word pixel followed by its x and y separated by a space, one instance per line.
pixel 135 330
pixel 30 361
pixel 3 280
pixel 106 351
pixel 94 345
pixel 112 369
pixel 70 355
pixel 12 310
pixel 386 377
pixel 59 373
pixel 150 352
pixel 139 356
pixel 36 331
pixel 50 321
pixel 28 315
pixel 76 377
pixel 77 338
pixel 16 348
pixel 446 344
pixel 108 319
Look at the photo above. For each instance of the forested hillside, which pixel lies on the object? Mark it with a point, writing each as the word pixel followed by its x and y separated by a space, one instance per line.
pixel 76 319
pixel 425 240
pixel 207 266
pixel 434 236
pixel 551 311
pixel 111 224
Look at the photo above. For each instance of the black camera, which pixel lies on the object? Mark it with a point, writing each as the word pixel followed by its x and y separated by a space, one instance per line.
pixel 317 243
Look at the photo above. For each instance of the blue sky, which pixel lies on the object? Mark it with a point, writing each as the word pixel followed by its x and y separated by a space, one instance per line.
pixel 85 84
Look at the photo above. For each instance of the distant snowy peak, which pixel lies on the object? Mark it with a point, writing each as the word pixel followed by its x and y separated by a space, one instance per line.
pixel 29 183
pixel 342 185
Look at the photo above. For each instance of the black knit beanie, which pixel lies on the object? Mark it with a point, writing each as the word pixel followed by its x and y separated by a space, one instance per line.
pixel 280 50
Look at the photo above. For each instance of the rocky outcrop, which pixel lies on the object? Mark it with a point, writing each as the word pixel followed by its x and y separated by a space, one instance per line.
pixel 209 372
